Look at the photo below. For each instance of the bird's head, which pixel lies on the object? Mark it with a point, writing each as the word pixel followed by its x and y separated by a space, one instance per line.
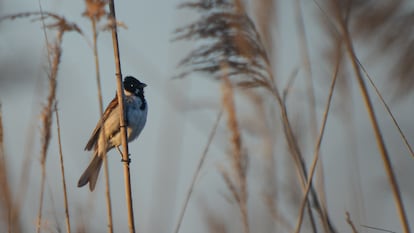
pixel 133 85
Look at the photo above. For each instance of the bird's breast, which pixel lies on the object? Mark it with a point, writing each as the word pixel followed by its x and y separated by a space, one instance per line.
pixel 136 117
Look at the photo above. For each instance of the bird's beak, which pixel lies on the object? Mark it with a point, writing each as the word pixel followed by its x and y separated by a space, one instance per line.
pixel 142 85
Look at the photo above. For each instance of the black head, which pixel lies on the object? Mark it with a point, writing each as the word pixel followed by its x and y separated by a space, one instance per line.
pixel 133 85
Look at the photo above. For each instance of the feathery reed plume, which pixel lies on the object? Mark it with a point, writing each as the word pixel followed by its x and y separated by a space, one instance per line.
pixel 121 98
pixel 266 23
pixel 237 182
pixel 95 10
pixel 60 22
pixel 62 25
pixel 344 30
pixel 370 23
pixel 265 15
pixel 62 169
pixel 46 117
pixel 226 35
pixel 46 130
pixel 389 25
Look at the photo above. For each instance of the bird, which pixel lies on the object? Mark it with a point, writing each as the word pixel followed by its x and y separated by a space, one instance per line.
pixel 136 109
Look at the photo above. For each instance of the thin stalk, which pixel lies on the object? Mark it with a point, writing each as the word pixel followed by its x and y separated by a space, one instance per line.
pixel 357 181
pixel 45 34
pixel 313 123
pixel 46 128
pixel 312 108
pixel 316 151
pixel 377 228
pixel 62 169
pixel 101 112
pixel 47 121
pixel 293 146
pixel 39 212
pixel 351 224
pixel 121 97
pixel 197 172
pixel 387 108
pixel 377 131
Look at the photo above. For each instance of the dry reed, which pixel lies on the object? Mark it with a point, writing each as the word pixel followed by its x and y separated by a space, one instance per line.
pixel 316 154
pixel 313 124
pixel 237 182
pixel 62 169
pixel 54 54
pixel 343 28
pixel 238 55
pixel 231 38
pixel 95 10
pixel 351 224
pixel 387 108
pixel 46 115
pixel 378 229
pixel 121 97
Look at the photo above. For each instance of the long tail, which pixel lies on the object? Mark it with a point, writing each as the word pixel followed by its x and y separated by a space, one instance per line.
pixel 91 173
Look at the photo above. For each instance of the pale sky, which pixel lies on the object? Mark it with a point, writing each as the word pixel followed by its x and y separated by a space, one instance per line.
pixel 181 114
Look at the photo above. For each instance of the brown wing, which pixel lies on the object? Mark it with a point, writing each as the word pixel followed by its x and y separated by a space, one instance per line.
pixel 95 134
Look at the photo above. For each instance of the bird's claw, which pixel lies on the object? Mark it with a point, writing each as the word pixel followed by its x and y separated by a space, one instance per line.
pixel 126 160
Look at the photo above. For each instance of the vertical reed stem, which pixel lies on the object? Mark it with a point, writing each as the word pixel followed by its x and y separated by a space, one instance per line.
pixel 101 112
pixel 62 169
pixel 373 118
pixel 121 97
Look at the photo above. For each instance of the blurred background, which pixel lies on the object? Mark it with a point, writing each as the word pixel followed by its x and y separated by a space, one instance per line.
pixel 182 113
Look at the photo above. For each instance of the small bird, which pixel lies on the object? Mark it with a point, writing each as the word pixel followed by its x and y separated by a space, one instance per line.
pixel 136 116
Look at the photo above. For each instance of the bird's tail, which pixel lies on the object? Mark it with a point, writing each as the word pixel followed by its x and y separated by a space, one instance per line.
pixel 91 173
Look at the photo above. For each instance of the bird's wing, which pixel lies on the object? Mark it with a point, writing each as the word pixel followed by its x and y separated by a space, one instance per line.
pixel 95 134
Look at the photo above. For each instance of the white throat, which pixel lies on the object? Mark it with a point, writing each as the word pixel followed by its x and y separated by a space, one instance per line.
pixel 127 93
